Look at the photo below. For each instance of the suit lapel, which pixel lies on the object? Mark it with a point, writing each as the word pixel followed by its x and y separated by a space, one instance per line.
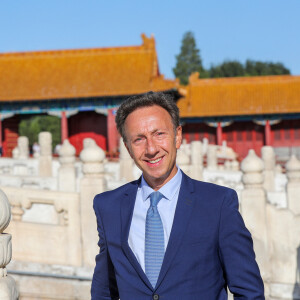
pixel 181 219
pixel 127 207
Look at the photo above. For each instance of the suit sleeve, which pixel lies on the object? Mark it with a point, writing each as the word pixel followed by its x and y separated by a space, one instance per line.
pixel 104 285
pixel 237 254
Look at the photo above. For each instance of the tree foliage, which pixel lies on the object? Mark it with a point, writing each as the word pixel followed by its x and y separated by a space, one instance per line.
pixel 227 69
pixel 32 126
pixel 258 68
pixel 250 68
pixel 188 60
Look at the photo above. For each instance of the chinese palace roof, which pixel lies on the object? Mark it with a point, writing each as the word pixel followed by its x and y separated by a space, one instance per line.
pixel 240 96
pixel 80 73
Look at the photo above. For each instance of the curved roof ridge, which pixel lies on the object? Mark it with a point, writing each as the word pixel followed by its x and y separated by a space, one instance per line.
pixel 147 44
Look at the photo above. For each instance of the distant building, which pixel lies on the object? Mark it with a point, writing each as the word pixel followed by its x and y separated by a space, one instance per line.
pixel 246 112
pixel 83 87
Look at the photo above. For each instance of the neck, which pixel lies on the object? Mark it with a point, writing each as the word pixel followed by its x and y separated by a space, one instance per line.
pixel 157 183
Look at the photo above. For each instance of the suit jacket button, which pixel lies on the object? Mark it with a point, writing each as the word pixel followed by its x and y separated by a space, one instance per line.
pixel 155 297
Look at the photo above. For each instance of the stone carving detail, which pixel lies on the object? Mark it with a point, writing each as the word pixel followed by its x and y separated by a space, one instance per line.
pixel 67 153
pixel 8 289
pixel 5 253
pixel 252 167
pixel 4 212
pixel 293 169
pixel 92 157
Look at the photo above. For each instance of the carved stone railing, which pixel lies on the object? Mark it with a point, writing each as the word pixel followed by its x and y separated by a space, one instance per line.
pixel 45 226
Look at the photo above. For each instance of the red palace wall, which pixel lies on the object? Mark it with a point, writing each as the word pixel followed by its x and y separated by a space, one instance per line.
pixel 87 125
pixel 198 131
pixel 10 129
pixel 286 134
pixel 242 136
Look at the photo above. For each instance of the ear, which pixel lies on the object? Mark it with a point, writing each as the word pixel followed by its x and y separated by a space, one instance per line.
pixel 178 137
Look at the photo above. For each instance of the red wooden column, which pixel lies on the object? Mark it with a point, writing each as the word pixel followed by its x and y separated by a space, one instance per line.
pixel 219 134
pixel 112 132
pixel 64 126
pixel 267 133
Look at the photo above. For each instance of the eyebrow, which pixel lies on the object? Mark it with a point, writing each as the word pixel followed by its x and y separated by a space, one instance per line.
pixel 152 132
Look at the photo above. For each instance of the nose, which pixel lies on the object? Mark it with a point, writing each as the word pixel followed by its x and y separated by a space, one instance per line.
pixel 151 147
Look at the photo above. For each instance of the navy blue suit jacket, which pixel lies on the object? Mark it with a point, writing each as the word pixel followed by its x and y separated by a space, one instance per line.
pixel 209 248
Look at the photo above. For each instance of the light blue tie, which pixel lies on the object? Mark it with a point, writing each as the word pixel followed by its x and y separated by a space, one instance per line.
pixel 154 240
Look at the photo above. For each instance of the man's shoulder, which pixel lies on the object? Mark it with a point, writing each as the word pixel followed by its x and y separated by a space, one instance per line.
pixel 114 195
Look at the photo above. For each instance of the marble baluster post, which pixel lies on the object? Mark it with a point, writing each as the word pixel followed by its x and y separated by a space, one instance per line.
pixel 253 209
pixel 92 183
pixel 8 288
pixel 268 156
pixel 45 159
pixel 196 167
pixel 293 185
pixel 66 172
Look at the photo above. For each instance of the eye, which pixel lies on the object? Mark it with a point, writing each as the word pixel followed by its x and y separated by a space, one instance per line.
pixel 137 140
pixel 160 133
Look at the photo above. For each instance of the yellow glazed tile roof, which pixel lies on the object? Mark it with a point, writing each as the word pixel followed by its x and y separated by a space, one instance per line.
pixel 81 73
pixel 240 96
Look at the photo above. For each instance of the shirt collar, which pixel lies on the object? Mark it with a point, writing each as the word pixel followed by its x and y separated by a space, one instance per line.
pixel 168 190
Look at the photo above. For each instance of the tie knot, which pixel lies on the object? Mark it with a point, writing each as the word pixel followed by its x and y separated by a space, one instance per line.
pixel 154 198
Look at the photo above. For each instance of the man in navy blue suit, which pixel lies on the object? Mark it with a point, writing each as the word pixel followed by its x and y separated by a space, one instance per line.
pixel 167 236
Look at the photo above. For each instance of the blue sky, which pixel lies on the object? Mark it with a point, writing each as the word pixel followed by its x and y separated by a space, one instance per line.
pixel 267 30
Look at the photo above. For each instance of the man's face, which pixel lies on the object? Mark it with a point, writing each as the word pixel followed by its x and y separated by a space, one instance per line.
pixel 152 142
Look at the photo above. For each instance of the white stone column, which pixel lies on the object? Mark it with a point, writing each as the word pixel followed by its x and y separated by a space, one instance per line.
pixel 196 167
pixel 212 159
pixel 253 209
pixel 21 152
pixel 183 161
pixel 91 184
pixel 66 172
pixel 8 289
pixel 126 163
pixel 186 147
pixel 268 156
pixel 45 159
pixel 23 145
pixel 284 234
pixel 293 186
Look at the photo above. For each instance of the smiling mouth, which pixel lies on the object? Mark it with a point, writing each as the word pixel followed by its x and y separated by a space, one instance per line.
pixel 155 161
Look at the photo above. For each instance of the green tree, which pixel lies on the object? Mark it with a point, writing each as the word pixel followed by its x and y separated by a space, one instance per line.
pixel 227 69
pixel 258 68
pixel 32 126
pixel 250 68
pixel 188 60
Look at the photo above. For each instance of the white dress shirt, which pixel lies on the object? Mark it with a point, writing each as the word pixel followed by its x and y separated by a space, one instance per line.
pixel 166 208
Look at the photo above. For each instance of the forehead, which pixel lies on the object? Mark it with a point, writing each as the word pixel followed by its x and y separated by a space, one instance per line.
pixel 148 117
